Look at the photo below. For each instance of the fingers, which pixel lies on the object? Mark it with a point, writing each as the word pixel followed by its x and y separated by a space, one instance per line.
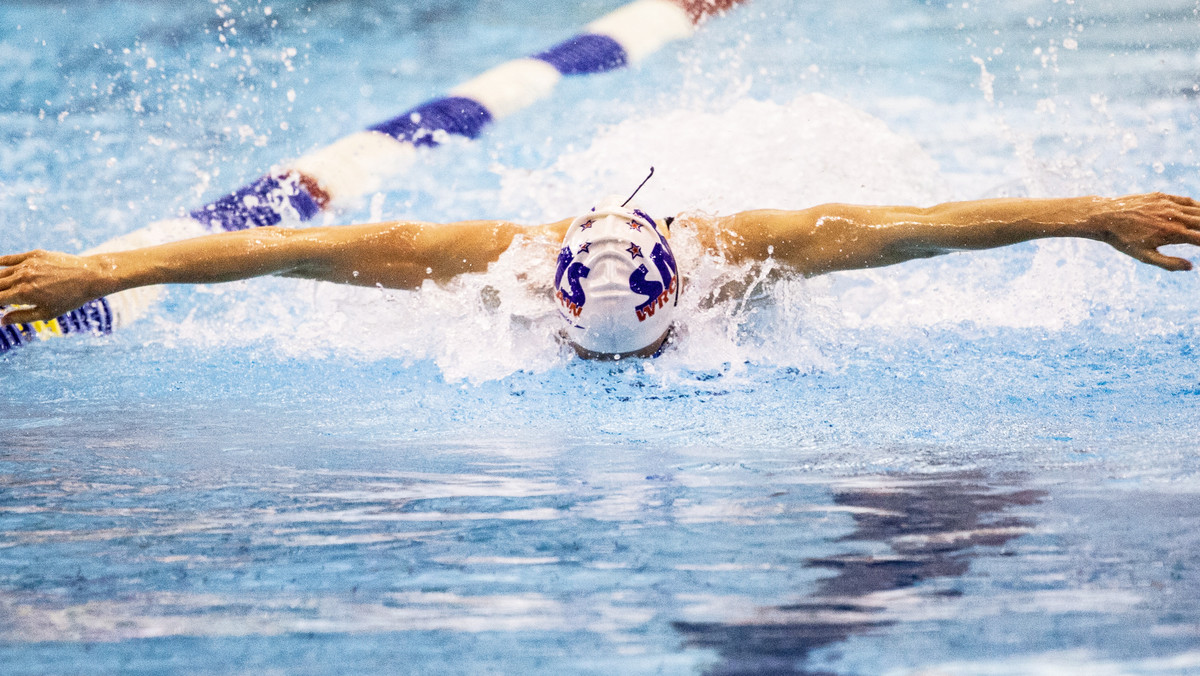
pixel 25 316
pixel 1189 215
pixel 1172 207
pixel 12 292
pixel 13 259
pixel 1182 201
pixel 1188 237
pixel 1183 216
pixel 1177 229
pixel 1153 257
pixel 1186 210
pixel 9 298
pixel 8 269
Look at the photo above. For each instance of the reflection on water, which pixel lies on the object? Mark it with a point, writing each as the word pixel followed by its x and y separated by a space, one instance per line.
pixel 932 528
pixel 223 555
pixel 641 562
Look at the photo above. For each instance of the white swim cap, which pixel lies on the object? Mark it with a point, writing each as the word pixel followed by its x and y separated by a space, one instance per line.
pixel 617 284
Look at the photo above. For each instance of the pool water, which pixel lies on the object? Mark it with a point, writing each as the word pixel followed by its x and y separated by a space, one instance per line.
pixel 977 464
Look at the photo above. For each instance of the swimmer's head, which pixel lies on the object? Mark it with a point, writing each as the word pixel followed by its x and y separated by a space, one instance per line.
pixel 616 284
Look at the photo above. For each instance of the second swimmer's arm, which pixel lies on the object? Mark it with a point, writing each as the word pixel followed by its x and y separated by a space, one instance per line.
pixel 844 237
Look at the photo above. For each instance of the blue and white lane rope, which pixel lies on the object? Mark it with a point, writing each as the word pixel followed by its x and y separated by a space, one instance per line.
pixel 361 163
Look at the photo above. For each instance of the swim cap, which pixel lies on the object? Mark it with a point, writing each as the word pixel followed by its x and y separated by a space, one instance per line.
pixel 616 284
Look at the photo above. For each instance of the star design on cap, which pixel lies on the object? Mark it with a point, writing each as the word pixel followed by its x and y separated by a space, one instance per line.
pixel 583 248
pixel 586 225
pixel 634 225
pixel 635 251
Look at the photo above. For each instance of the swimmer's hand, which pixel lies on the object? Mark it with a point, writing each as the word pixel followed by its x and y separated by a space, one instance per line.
pixel 1137 225
pixel 47 284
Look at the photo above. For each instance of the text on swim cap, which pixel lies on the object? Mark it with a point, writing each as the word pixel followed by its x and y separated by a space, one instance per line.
pixel 646 310
pixel 568 304
pixel 571 297
pixel 657 293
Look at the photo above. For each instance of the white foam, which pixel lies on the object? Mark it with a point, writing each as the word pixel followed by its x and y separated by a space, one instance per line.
pixel 491 325
pixel 479 327
pixel 1060 284
pixel 755 154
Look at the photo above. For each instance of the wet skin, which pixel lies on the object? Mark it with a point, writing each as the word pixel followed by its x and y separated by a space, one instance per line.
pixel 404 254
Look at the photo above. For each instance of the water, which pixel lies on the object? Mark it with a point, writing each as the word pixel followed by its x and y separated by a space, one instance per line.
pixel 979 463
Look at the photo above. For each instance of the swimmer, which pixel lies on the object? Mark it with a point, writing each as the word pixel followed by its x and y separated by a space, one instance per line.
pixel 616 283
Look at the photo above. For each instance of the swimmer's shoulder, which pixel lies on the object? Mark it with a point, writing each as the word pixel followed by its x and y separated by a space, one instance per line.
pixel 713 232
pixel 547 233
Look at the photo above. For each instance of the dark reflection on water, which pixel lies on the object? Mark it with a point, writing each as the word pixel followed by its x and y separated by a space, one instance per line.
pixel 934 527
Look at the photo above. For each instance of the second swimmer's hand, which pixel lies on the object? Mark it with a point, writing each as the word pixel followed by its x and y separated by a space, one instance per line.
pixel 52 283
pixel 1138 224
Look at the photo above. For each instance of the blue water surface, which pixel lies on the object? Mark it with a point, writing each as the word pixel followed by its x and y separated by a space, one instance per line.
pixel 976 464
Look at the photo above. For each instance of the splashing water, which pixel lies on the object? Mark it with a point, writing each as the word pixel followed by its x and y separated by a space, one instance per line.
pixel 709 161
pixel 491 325
pixel 978 463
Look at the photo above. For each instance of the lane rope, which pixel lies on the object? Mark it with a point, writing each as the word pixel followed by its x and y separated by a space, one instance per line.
pixel 361 163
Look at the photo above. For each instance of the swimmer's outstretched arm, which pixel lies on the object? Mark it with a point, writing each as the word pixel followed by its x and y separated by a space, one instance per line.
pixel 394 255
pixel 844 237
